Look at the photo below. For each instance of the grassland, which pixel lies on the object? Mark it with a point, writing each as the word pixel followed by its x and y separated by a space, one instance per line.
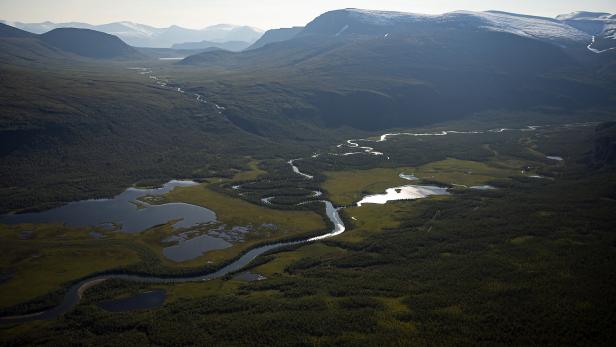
pixel 348 187
pixel 233 211
pixel 50 257
pixel 252 172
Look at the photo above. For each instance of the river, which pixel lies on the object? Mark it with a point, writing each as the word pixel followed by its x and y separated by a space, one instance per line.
pixel 75 292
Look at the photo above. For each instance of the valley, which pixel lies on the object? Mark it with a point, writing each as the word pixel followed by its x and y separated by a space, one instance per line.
pixel 371 178
pixel 426 217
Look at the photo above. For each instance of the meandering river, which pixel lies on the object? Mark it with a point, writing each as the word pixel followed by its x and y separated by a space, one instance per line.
pixel 75 292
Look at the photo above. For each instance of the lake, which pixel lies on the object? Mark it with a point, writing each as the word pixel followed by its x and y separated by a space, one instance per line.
pixel 124 210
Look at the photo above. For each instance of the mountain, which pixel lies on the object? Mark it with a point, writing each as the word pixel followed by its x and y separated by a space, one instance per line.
pixel 233 46
pixel 140 35
pixel 334 29
pixel 18 46
pixel 88 43
pixel 356 21
pixel 41 28
pixel 276 35
pixel 373 69
pixel 61 44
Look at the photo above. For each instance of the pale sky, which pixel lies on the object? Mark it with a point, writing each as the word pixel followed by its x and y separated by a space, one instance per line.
pixel 264 14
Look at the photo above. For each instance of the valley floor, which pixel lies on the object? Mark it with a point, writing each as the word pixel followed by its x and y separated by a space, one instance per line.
pixel 528 261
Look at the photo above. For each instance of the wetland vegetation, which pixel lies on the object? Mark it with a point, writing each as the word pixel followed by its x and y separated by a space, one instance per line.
pixel 403 270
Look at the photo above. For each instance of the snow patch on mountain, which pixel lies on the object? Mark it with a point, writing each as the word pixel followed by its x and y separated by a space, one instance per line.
pixel 344 28
pixel 135 29
pixel 386 18
pixel 528 26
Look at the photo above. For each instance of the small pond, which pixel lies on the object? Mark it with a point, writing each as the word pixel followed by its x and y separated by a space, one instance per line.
pixel 192 248
pixel 409 192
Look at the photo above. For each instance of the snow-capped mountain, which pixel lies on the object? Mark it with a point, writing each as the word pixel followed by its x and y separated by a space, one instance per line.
pixel 141 35
pixel 583 15
pixel 356 21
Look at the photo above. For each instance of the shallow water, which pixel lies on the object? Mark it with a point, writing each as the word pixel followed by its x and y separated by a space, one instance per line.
pixel 297 171
pixel 410 192
pixel 124 210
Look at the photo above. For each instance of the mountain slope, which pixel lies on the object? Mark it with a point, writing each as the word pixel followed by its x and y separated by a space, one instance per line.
pixel 9 31
pixel 96 128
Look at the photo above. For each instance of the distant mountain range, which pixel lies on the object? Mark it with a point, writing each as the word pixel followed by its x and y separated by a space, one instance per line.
pixel 140 35
pixel 233 46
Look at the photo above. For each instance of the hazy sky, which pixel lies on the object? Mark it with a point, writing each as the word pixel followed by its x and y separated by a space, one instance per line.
pixel 260 13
